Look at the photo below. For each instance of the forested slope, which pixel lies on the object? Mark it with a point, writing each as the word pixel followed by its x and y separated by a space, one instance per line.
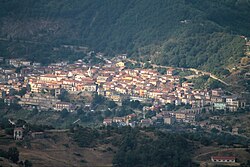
pixel 187 33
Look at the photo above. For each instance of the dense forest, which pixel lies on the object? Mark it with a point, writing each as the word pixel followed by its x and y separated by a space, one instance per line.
pixel 137 147
pixel 186 33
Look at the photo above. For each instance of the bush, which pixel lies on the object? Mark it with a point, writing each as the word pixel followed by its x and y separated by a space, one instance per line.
pixel 27 163
pixel 13 154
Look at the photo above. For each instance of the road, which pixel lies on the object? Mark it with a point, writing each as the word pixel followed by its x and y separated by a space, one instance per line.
pixel 198 72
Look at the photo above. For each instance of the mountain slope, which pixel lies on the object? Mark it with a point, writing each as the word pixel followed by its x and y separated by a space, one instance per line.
pixel 185 33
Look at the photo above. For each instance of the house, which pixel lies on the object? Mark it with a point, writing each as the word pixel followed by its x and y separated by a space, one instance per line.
pixel 180 116
pixel 146 122
pixel 120 64
pixel 233 103
pixel 215 99
pixel 14 62
pixel 25 63
pixel 187 85
pixel 190 117
pixel 101 79
pixel 118 119
pixel 2 94
pixel 18 133
pixel 9 70
pixel 48 78
pixel 219 106
pixel 63 105
pixel 217 92
pixel 170 72
pixel 36 64
pixel 235 131
pixel 1 59
pixel 107 121
pixel 90 88
pixel 130 117
pixel 223 159
pixel 116 98
pixel 10 100
pixel 168 120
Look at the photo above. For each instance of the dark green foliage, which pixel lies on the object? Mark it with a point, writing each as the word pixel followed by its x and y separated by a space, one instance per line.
pixel 27 163
pixel 139 150
pixel 38 128
pixel 207 37
pixel 4 123
pixel 162 70
pixel 22 91
pixel 150 114
pixel 134 104
pixel 217 137
pixel 80 111
pixel 170 107
pixel 64 113
pixel 85 137
pixel 15 106
pixel 20 123
pixel 64 96
pixel 12 92
pixel 98 99
pixel 4 154
pixel 2 104
pixel 107 113
pixel 13 154
pixel 123 111
pixel 111 104
pixel 9 131
pixel 200 82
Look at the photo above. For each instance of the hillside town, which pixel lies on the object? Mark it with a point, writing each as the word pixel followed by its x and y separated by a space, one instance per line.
pixel 26 83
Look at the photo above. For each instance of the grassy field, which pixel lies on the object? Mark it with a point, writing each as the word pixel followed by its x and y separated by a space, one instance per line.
pixel 58 149
pixel 203 155
pixel 52 118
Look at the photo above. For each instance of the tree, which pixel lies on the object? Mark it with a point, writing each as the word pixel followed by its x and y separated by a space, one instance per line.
pixel 22 91
pixel 2 104
pixel 188 106
pixel 150 114
pixel 12 92
pixel 80 111
pixel 20 123
pixel 28 87
pixel 214 130
pixel 170 106
pixel 52 92
pixel 64 96
pixel 64 113
pixel 107 113
pixel 13 154
pixel 15 106
pixel 98 99
pixel 162 71
pixel 111 104
pixel 147 65
pixel 27 163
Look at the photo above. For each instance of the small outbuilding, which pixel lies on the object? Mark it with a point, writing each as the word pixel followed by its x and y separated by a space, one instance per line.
pixel 18 133
pixel 224 159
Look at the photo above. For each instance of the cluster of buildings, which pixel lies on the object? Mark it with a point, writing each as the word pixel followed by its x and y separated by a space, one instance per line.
pixel 111 80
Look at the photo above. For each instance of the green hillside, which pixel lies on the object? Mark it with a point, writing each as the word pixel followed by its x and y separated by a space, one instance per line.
pixel 186 33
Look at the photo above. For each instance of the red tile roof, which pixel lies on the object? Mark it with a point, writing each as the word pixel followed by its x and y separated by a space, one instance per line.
pixel 223 158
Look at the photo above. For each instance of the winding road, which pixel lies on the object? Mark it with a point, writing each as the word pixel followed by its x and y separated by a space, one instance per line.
pixel 198 72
